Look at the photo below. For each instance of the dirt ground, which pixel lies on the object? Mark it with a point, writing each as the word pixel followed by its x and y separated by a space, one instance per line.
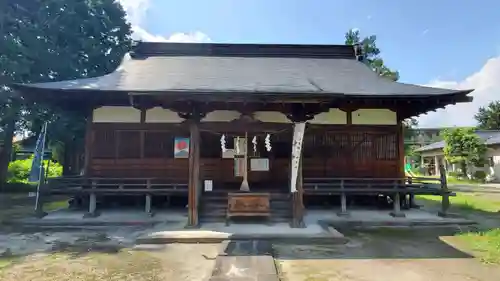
pixel 110 254
pixel 406 254
pixel 94 261
pixel 425 255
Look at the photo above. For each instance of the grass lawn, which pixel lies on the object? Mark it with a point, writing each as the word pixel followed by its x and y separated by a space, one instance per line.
pixel 485 243
pixel 15 207
pixel 472 202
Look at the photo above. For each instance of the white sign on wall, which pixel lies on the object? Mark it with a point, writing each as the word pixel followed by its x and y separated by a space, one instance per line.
pixel 229 153
pixel 209 185
pixel 259 164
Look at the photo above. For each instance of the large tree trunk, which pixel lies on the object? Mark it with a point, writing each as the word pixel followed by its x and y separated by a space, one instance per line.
pixel 6 153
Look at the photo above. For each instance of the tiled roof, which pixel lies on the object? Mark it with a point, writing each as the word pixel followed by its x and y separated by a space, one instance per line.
pixel 326 70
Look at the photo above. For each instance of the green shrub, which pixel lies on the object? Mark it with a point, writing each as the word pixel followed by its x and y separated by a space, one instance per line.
pixel 454 174
pixel 480 175
pixel 19 170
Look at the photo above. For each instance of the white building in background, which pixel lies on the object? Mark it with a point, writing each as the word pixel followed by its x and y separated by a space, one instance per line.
pixel 432 156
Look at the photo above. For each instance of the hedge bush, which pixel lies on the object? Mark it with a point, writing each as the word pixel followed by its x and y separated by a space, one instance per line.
pixel 19 170
pixel 480 175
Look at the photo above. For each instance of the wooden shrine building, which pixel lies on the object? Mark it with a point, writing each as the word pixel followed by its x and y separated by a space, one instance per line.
pixel 200 120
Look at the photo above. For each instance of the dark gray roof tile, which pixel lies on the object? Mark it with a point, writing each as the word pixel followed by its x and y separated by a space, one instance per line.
pixel 198 74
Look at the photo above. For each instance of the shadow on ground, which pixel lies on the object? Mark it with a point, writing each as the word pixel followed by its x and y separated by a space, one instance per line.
pixel 386 243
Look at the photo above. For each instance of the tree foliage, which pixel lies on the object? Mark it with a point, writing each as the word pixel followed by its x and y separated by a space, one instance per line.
pixel 375 61
pixel 488 118
pixel 372 53
pixel 463 146
pixel 409 126
pixel 50 40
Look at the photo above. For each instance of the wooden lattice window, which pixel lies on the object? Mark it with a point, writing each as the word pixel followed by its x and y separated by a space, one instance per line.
pixel 129 144
pixel 158 145
pixel 361 146
pixel 103 143
pixel 386 147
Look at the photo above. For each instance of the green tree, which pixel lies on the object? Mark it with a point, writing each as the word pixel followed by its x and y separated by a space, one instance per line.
pixel 374 60
pixel 409 133
pixel 488 118
pixel 463 147
pixel 372 53
pixel 49 40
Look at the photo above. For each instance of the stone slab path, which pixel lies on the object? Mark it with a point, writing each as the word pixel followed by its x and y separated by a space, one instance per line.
pixel 249 260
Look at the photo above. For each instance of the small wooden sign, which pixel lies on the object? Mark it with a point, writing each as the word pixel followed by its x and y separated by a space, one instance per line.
pixel 259 164
pixel 239 166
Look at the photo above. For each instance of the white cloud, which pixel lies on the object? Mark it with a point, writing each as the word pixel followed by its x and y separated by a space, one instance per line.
pixel 180 37
pixel 136 11
pixel 486 83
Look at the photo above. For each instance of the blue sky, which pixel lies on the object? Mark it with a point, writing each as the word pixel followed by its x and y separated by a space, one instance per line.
pixel 443 43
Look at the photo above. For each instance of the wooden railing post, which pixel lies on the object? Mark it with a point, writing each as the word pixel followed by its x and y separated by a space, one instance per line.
pixel 92 201
pixel 445 200
pixel 148 198
pixel 343 201
pixel 397 213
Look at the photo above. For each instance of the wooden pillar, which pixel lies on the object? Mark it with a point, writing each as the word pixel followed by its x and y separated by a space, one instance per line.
pixel 401 149
pixel 299 116
pixel 298 201
pixel 445 201
pixel 194 169
pixel 148 199
pixel 92 201
pixel 436 165
pixel 397 213
pixel 343 201
pixel 88 143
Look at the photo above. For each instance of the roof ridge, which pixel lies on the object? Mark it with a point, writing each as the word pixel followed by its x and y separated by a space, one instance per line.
pixel 147 49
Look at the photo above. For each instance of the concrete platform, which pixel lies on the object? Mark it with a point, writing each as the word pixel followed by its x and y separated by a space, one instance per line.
pixel 125 217
pixel 368 218
pixel 170 226
pixel 218 232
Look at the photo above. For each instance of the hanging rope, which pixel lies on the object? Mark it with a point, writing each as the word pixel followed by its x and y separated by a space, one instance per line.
pixel 229 135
